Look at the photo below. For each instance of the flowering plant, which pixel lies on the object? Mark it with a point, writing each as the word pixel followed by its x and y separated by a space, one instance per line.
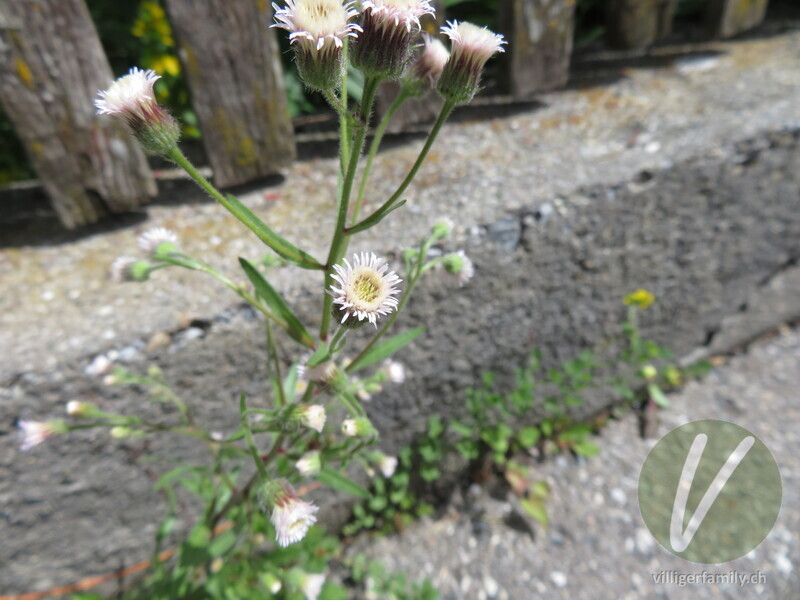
pixel 295 438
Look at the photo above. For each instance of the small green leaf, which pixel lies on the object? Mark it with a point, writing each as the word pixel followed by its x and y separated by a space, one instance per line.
pixel 282 311
pixel 281 246
pixel 385 349
pixel 528 436
pixel 337 481
pixel 586 448
pixel 221 544
pixel 536 508
pixel 321 354
pixel 657 395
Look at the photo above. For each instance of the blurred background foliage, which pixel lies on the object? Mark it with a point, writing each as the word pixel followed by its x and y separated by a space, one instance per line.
pixel 137 32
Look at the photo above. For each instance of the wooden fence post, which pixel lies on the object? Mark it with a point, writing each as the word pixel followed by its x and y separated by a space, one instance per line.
pixel 539 34
pixel 638 23
pixel 51 67
pixel 232 66
pixel 726 18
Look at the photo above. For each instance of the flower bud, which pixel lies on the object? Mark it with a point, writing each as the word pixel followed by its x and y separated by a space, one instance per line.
pixel 395 372
pixel 309 415
pixel 83 410
pixel 158 240
pixel 388 28
pixel 271 582
pixel 459 267
pixel 309 464
pixel 386 464
pixel 648 372
pixel 472 46
pixel 131 98
pixel 360 427
pixel 291 516
pixel 126 268
pixel 121 432
pixel 442 228
pixel 423 74
pixel 310 584
pixel 33 433
pixel 641 298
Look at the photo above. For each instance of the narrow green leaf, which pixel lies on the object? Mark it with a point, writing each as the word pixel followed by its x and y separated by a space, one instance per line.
pixel 337 481
pixel 586 448
pixel 269 237
pixel 321 354
pixel 657 395
pixel 385 349
pixel 274 300
pixel 536 508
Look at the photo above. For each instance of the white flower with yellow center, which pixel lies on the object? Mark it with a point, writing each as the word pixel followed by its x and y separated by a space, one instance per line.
pixel 317 29
pixel 366 289
pixel 317 21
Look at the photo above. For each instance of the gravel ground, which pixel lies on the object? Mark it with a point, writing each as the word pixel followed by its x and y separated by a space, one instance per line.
pixel 597 546
pixel 479 171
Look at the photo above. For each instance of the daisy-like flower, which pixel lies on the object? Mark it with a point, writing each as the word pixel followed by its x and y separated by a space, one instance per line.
pixel 309 464
pixel 131 98
pixel 158 240
pixel 127 268
pixel 472 46
pixel 317 29
pixel 366 290
pixel 33 433
pixel 423 74
pixel 312 416
pixel 459 267
pixel 384 47
pixel 291 516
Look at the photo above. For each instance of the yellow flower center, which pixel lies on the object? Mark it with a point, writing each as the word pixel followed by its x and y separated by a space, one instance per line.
pixel 366 288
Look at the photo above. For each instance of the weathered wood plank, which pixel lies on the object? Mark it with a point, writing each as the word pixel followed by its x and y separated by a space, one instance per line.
pixel 638 23
pixel 232 66
pixel 539 34
pixel 51 67
pixel 726 18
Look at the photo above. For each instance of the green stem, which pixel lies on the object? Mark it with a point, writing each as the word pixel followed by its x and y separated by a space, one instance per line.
pixel 387 206
pixel 402 96
pixel 245 215
pixel 338 106
pixel 338 244
pixel 344 124
pixel 276 366
pixel 182 260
